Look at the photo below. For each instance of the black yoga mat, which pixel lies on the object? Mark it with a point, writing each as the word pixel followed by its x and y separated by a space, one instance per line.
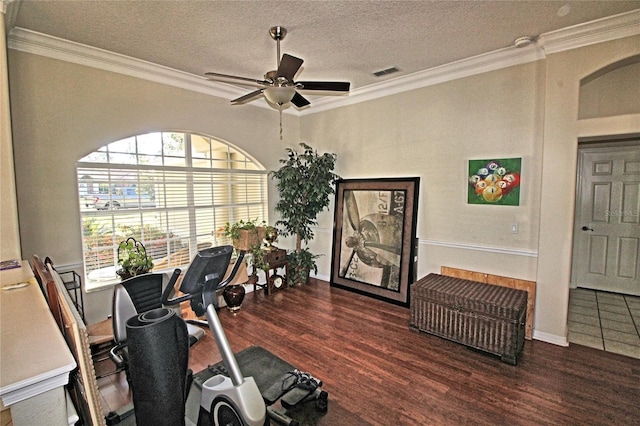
pixel 255 361
pixel 158 363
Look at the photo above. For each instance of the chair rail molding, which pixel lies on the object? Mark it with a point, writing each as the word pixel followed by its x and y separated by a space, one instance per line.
pixel 488 249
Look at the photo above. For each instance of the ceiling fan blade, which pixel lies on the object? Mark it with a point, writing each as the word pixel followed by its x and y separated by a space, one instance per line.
pixel 289 66
pixel 218 76
pixel 299 100
pixel 248 97
pixel 334 86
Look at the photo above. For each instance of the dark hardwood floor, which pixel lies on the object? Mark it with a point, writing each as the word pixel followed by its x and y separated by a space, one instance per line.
pixel 379 372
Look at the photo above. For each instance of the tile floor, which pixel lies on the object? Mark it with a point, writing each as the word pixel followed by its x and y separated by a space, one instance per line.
pixel 606 321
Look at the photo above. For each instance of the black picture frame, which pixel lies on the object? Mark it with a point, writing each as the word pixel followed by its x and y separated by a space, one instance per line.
pixel 374 237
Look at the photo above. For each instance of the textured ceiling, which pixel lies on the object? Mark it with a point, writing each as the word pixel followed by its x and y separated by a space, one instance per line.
pixel 339 40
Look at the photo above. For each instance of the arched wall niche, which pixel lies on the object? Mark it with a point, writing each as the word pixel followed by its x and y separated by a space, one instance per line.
pixel 611 91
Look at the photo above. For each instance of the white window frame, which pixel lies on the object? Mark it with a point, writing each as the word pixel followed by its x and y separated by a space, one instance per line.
pixel 197 197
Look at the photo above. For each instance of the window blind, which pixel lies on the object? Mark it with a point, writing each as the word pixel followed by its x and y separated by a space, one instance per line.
pixel 172 191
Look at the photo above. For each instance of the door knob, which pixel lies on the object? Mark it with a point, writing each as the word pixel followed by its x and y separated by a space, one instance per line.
pixel 586 228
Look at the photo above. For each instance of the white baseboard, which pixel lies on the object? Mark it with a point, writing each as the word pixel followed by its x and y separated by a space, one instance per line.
pixel 321 277
pixel 550 338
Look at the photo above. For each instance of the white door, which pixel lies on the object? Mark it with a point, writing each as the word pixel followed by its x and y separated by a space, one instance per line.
pixel 607 221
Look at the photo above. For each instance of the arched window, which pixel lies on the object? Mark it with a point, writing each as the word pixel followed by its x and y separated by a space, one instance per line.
pixel 172 191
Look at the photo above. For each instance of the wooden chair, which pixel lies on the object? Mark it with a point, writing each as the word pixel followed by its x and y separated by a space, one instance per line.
pixel 83 383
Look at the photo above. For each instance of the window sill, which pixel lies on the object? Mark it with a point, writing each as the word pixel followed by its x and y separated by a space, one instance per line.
pixel 105 282
pixel 92 286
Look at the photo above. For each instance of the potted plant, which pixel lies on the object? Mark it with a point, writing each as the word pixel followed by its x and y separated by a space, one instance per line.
pixel 305 184
pixel 133 259
pixel 246 235
pixel 256 261
pixel 249 236
pixel 301 264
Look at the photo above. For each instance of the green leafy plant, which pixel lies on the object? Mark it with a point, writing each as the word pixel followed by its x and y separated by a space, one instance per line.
pixel 233 230
pixel 258 230
pixel 133 259
pixel 305 184
pixel 257 259
pixel 302 263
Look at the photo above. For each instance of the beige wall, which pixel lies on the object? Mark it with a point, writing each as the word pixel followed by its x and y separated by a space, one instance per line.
pixel 9 233
pixel 432 133
pixel 614 93
pixel 565 70
pixel 528 111
pixel 63 111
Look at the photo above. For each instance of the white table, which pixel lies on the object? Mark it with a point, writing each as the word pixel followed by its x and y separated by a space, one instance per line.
pixel 35 360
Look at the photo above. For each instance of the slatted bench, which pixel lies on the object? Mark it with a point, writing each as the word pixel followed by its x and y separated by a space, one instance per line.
pixel 482 316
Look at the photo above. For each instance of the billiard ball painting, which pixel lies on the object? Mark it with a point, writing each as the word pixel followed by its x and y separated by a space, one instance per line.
pixel 494 182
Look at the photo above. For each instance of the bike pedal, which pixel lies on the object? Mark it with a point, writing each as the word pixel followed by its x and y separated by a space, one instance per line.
pixel 283 385
pixel 294 397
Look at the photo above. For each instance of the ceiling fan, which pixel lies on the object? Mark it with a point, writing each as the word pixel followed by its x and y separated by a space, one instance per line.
pixel 278 86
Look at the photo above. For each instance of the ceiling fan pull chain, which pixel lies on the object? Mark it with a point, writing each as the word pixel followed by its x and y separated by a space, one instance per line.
pixel 280 109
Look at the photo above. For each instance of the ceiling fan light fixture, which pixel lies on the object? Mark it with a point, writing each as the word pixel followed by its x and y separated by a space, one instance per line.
pixel 279 95
pixel 279 86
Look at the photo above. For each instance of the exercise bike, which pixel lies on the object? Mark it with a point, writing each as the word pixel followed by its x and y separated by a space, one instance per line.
pixel 221 394
pixel 226 399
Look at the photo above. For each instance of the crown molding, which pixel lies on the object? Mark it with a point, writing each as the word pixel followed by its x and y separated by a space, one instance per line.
pixel 606 29
pixel 598 31
pixel 491 61
pixel 57 48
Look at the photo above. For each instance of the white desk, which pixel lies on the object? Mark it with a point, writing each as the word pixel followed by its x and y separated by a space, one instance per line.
pixel 35 360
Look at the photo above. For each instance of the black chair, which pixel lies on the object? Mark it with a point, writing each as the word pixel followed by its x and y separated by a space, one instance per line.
pixel 135 296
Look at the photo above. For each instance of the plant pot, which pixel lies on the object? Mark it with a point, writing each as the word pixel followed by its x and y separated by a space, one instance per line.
pixel 233 296
pixel 249 238
pixel 124 275
pixel 300 276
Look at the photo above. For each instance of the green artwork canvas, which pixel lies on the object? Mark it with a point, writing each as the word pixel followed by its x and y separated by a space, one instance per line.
pixel 494 182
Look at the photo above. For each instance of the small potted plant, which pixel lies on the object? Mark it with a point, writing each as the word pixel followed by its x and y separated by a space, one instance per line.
pixel 133 259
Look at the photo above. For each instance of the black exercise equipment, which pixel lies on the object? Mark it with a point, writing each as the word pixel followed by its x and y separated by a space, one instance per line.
pixel 221 394
pixel 225 400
